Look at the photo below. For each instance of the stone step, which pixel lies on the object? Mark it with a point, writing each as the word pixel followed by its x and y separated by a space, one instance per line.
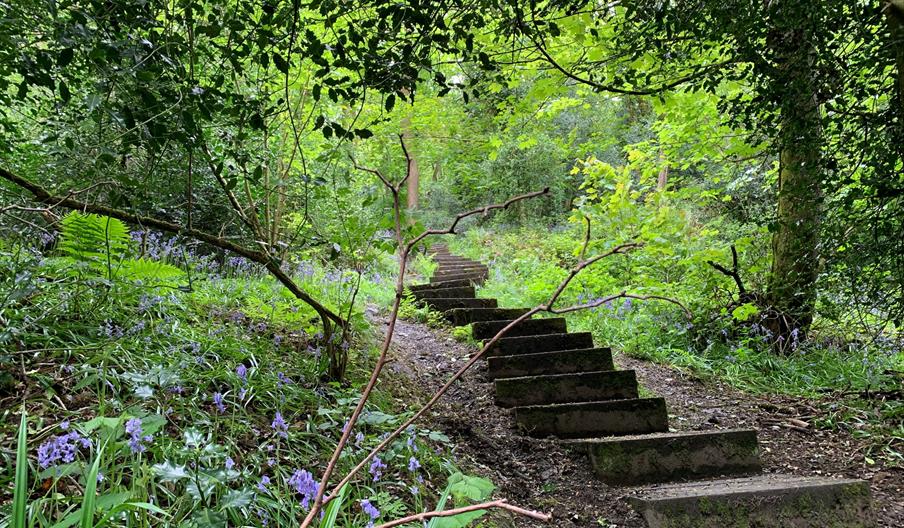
pixel 566 388
pixel 667 457
pixel 530 327
pixel 561 362
pixel 445 293
pixel 447 284
pixel 443 304
pixel 461 266
pixel 593 419
pixel 510 346
pixel 765 501
pixel 474 277
pixel 466 316
pixel 457 270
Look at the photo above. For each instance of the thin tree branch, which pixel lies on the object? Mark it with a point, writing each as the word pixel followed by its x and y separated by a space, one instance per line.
pixel 502 504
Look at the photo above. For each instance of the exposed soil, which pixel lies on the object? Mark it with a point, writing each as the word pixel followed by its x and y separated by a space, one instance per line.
pixel 543 475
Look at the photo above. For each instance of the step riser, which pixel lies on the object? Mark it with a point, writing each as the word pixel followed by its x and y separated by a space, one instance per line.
pixel 447 284
pixel 842 504
pixel 511 346
pixel 445 304
pixel 584 420
pixel 675 457
pixel 568 388
pixel 466 316
pixel 529 327
pixel 447 293
pixel 565 362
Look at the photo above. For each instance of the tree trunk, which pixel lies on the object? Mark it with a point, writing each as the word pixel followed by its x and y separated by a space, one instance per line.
pixel 894 12
pixel 795 242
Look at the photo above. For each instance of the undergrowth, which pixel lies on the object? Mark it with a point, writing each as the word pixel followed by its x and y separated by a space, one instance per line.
pixel 191 394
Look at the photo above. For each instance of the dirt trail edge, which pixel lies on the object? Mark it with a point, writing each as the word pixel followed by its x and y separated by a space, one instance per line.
pixel 545 475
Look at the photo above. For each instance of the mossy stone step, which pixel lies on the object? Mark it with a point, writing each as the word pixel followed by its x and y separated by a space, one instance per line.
pixel 466 316
pixel 560 362
pixel 443 304
pixel 765 501
pixel 462 283
pixel 529 327
pixel 593 419
pixel 475 277
pixel 445 293
pixel 510 346
pixel 566 388
pixel 667 457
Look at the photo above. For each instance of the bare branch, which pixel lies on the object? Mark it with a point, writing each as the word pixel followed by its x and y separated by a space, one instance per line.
pixel 500 504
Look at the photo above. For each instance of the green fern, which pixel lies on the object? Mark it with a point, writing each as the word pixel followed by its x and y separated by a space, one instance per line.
pixel 93 238
pixel 145 269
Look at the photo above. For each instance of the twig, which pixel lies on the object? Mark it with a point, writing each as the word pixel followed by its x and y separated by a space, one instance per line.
pixel 500 503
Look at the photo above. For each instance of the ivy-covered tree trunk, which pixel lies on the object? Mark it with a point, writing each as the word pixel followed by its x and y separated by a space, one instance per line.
pixel 894 11
pixel 795 242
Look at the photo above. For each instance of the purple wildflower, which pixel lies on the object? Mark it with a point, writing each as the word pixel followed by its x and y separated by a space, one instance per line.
pixel 371 512
pixel 61 448
pixel 376 469
pixel 304 484
pixel 262 485
pixel 283 379
pixel 279 425
pixel 413 464
pixel 218 402
pixel 242 372
pixel 359 438
pixel 136 440
pixel 230 463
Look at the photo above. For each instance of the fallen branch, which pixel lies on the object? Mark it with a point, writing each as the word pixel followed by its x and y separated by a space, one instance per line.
pixel 500 504
pixel 44 196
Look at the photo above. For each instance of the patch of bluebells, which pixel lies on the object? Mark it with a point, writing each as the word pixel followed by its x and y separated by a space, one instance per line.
pixel 61 448
pixel 371 511
pixel 137 439
pixel 303 483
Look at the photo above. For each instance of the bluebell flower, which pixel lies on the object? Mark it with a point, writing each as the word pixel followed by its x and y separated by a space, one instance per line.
pixel 371 512
pixel 413 464
pixel 304 484
pixel 262 485
pixel 376 469
pixel 230 463
pixel 61 448
pixel 218 402
pixel 136 440
pixel 242 372
pixel 279 425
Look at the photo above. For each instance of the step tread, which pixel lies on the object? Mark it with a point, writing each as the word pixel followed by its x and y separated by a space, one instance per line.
pixel 540 343
pixel 566 388
pixel 555 362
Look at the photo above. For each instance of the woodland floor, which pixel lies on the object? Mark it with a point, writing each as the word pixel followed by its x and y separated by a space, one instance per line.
pixel 542 475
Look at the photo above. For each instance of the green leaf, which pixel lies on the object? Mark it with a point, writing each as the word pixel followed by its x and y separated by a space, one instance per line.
pixel 89 502
pixel 280 63
pixel 20 491
pixel 169 472
pixel 331 512
pixel 65 57
pixel 237 498
pixel 462 520
pixel 208 519
pixel 470 487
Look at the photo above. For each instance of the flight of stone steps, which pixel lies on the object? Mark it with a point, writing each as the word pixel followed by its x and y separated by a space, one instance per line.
pixel 558 384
